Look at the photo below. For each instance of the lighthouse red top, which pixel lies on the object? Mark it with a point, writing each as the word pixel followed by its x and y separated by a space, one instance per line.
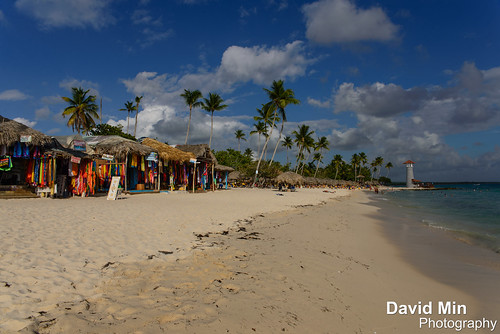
pixel 408 162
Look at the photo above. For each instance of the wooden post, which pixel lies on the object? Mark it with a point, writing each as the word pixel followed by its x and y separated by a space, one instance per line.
pixel 126 166
pixel 213 177
pixel 159 172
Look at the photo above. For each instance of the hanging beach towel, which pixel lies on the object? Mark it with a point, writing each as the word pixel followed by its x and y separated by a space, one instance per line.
pixel 5 163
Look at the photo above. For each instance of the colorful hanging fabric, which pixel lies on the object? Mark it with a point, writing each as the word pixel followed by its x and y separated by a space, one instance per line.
pixel 5 163
pixel 143 166
pixel 18 151
pixel 133 161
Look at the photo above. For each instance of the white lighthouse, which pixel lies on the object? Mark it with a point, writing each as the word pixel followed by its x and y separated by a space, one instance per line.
pixel 409 174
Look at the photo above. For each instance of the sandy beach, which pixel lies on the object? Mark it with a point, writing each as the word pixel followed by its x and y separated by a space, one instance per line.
pixel 236 261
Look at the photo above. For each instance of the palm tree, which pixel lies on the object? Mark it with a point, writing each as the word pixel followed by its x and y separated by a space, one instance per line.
pixel 137 102
pixel 379 161
pixel 260 128
pixel 303 139
pixel 321 144
pixel 82 110
pixel 248 153
pixel 129 108
pixel 337 162
pixel 191 99
pixel 318 157
pixel 212 104
pixel 388 166
pixel 363 160
pixel 265 115
pixel 287 143
pixel 355 160
pixel 240 135
pixel 280 97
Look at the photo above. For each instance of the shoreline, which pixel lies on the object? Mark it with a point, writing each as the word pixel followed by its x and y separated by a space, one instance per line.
pixel 322 268
pixel 443 256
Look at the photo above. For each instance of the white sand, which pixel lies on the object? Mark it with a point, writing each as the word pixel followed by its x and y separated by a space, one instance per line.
pixel 54 251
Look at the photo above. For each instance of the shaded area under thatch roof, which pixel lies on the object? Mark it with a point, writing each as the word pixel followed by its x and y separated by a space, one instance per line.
pixel 167 152
pixel 201 151
pixel 290 178
pixel 11 132
pixel 116 146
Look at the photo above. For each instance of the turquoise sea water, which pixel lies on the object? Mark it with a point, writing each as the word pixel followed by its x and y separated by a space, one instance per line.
pixel 471 211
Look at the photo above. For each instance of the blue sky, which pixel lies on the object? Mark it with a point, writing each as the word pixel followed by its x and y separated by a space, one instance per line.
pixel 415 80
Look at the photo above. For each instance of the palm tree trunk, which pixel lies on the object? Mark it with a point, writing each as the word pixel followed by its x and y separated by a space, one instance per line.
pixel 189 123
pixel 277 143
pixel 128 121
pixel 298 159
pixel 211 130
pixel 262 153
pixel 136 115
pixel 239 145
pixel 317 167
pixel 336 172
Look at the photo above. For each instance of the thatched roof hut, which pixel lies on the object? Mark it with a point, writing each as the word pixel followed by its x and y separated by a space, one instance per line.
pixel 201 151
pixel 235 175
pixel 55 148
pixel 222 168
pixel 11 132
pixel 116 146
pixel 290 178
pixel 167 152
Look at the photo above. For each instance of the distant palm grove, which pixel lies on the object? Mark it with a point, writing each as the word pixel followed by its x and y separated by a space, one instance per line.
pixel 270 118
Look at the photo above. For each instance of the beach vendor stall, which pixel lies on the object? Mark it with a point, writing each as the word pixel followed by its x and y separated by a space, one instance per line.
pixel 222 174
pixel 174 168
pixel 118 156
pixel 19 146
pixel 204 166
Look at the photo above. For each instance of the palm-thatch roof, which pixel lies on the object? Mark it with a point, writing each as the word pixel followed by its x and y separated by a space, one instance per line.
pixel 235 175
pixel 55 148
pixel 201 151
pixel 290 178
pixel 167 152
pixel 222 168
pixel 116 146
pixel 11 132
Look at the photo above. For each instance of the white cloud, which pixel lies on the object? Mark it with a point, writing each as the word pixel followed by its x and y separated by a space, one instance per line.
pixel 263 65
pixel 43 113
pixel 378 99
pixel 339 21
pixel 13 95
pixel 318 103
pixel 68 84
pixel 63 13
pixel 25 121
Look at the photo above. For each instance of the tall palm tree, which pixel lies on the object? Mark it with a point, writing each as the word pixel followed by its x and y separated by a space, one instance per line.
pixel 321 144
pixel 303 139
pixel 265 115
pixel 260 129
pixel 337 162
pixel 281 98
pixel 240 135
pixel 137 102
pixel 191 99
pixel 388 166
pixel 129 108
pixel 355 160
pixel 248 153
pixel 379 161
pixel 363 160
pixel 212 104
pixel 82 110
pixel 318 157
pixel 287 143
